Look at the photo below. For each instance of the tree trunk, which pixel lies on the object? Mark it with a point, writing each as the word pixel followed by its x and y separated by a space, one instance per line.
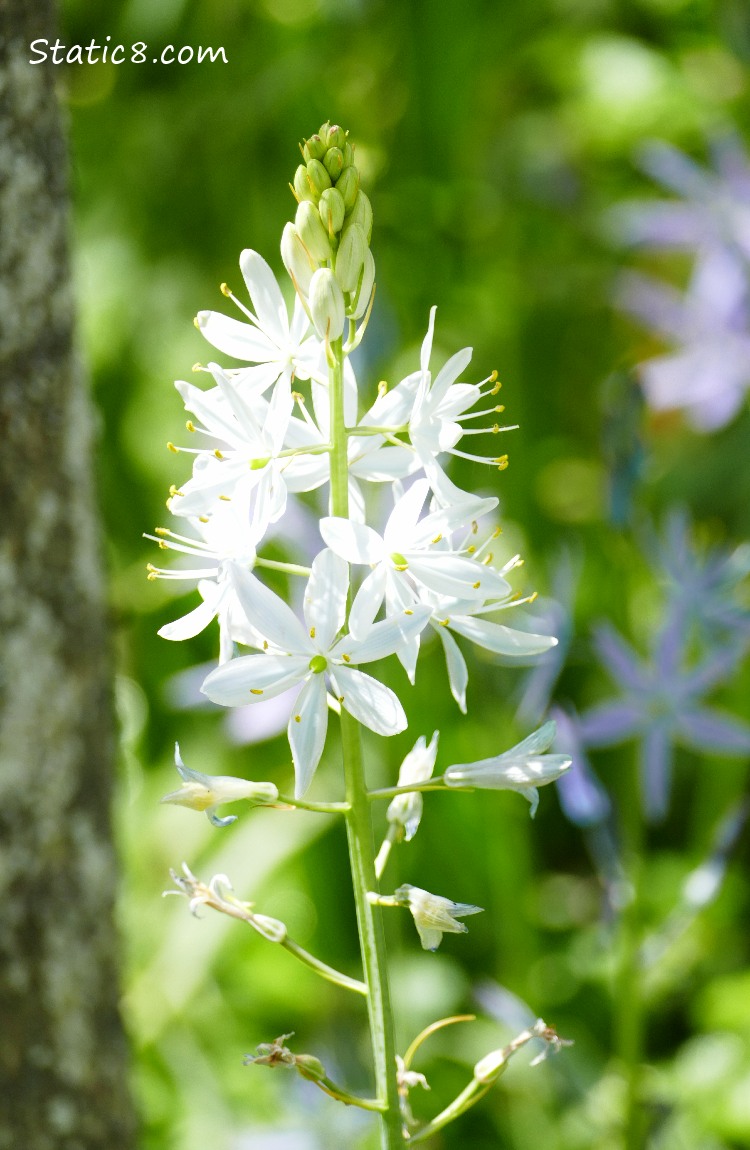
pixel 63 1069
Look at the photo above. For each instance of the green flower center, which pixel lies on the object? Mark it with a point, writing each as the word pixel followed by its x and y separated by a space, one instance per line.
pixel 399 561
pixel 318 664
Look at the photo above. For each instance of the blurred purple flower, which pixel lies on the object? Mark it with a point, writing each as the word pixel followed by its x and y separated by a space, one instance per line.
pixel 713 209
pixel 701 585
pixel 660 705
pixel 709 371
pixel 582 797
pixel 555 617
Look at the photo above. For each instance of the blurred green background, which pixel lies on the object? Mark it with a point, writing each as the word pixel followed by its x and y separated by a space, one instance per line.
pixel 491 138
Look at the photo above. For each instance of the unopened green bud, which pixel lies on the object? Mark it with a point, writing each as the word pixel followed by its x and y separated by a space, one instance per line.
pixel 336 136
pixel 348 185
pixel 302 185
pixel 331 208
pixel 326 304
pixel 350 258
pixel 314 148
pixel 348 151
pixel 296 258
pixel 362 299
pixel 318 176
pixel 333 162
pixel 310 1067
pixel 312 232
pixel 361 214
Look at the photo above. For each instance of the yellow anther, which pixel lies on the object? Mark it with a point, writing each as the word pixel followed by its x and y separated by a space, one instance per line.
pixel 224 289
pixel 190 425
pixel 534 595
pixel 150 567
pixel 151 576
pixel 298 718
pixel 477 585
pixel 347 658
pixel 497 533
pixel 341 698
pixel 401 567
pixel 488 559
pixel 493 376
pixel 164 545
pixel 196 324
pixel 474 527
pixel 382 387
pixel 471 549
pixel 495 428
pixel 502 462
pixel 500 407
pixel 256 691
pixel 203 519
pixel 408 612
pixel 520 563
pixel 171 447
pixel 175 491
pixel 298 397
pixel 443 622
pixel 436 539
pixel 198 366
pixel 312 632
pixel 225 498
pixel 161 531
pixel 265 644
pixel 218 454
pixel 496 388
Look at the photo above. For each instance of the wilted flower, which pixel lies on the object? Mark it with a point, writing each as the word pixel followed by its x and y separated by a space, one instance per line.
pixel 206 792
pixel 523 768
pixel 434 915
pixel 406 810
pixel 492 1065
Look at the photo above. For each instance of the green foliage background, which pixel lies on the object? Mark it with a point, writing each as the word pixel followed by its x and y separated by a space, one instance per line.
pixel 491 138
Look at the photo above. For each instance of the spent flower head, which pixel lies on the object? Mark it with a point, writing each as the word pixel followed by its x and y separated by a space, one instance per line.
pixel 206 792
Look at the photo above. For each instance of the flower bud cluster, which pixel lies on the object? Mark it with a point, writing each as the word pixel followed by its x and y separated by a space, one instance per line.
pixel 327 249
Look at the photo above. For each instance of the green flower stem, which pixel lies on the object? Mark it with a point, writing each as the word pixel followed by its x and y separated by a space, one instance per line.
pixel 323 969
pixel 329 1087
pixel 287 568
pixel 358 824
pixel 318 808
pixel 463 1102
pixel 431 785
pixel 629 1011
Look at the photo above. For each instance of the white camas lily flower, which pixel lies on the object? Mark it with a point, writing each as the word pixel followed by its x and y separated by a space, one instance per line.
pixel 434 915
pixel 412 556
pixel 206 792
pixel 405 811
pixel 247 435
pixel 524 768
pixel 267 339
pixel 310 654
pixel 226 537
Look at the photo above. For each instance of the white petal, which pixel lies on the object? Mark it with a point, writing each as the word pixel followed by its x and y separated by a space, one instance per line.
pixel 208 407
pixel 448 374
pixel 187 626
pixel 394 408
pixel 354 542
pixel 383 638
pixel 424 358
pixel 458 675
pixel 402 523
pixel 503 640
pixel 279 413
pixel 307 728
pixel 449 519
pixel 367 602
pixel 233 683
pixel 270 614
pixel 456 576
pixel 266 296
pixel 240 340
pixel 371 702
pixel 325 597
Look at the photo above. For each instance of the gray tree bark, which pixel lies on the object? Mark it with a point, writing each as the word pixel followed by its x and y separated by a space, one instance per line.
pixel 63 1070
